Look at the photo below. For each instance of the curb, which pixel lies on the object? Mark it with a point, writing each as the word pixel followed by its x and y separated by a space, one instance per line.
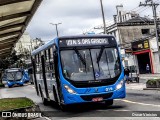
pixel 151 89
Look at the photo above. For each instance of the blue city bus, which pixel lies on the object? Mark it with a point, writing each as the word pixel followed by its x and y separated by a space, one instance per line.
pixel 79 69
pixel 15 76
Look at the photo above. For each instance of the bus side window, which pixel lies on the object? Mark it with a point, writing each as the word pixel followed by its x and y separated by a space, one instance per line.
pixel 37 63
pixel 51 60
pixel 40 65
pixel 34 58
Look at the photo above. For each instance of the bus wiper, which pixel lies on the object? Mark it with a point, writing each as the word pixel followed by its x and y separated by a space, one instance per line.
pixel 80 56
pixel 100 54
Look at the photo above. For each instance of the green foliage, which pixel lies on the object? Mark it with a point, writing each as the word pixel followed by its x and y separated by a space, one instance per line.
pixel 1 85
pixel 151 82
pixel 15 103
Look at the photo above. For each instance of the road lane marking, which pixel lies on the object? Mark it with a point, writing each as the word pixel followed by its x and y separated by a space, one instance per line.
pixel 128 101
pixel 113 110
pixel 121 110
pixel 46 118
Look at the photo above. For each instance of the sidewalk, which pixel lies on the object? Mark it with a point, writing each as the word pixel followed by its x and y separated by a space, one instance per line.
pixel 142 81
pixel 149 76
pixel 135 86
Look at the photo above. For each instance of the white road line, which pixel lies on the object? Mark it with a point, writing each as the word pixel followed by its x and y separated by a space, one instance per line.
pixel 121 110
pixel 46 118
pixel 113 110
pixel 128 101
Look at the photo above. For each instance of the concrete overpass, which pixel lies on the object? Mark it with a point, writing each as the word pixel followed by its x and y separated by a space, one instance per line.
pixel 15 15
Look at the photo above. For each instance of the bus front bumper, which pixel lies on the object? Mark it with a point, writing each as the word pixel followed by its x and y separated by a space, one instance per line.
pixel 83 98
pixel 10 84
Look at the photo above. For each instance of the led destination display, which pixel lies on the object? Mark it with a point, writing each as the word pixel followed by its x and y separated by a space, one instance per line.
pixel 84 42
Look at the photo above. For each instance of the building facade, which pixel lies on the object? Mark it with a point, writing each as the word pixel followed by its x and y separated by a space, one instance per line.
pixel 26 45
pixel 132 30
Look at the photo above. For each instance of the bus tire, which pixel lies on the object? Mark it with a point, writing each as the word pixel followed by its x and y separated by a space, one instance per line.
pixel 63 107
pixel 109 102
pixel 44 100
pixel 31 83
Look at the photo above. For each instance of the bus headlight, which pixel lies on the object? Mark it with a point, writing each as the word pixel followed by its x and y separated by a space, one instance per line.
pixel 69 89
pixel 120 84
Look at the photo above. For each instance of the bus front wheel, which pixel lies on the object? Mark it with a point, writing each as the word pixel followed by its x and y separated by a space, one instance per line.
pixel 109 102
pixel 63 107
pixel 10 86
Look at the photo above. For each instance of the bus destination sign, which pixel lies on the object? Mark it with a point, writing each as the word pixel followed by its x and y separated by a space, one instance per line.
pixel 84 42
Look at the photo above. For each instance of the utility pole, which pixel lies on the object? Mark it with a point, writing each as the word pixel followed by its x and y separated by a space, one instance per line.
pixel 56 27
pixel 153 5
pixel 104 23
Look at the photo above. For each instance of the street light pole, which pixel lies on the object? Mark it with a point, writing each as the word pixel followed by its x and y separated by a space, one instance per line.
pixel 104 23
pixel 56 27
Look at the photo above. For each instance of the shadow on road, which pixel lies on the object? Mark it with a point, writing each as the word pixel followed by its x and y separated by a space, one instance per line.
pixel 88 109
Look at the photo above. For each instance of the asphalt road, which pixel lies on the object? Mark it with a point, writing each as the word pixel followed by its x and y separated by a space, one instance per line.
pixel 136 103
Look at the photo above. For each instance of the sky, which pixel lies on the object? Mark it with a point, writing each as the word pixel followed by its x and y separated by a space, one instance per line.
pixel 77 16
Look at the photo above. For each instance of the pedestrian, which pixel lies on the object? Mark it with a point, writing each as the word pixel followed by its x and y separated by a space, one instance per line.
pixel 126 73
pixel 147 69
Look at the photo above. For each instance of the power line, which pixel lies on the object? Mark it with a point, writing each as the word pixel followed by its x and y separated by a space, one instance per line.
pixel 112 21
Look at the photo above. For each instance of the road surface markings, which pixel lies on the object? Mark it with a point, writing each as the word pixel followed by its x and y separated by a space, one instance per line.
pixel 112 110
pixel 121 110
pixel 46 118
pixel 128 101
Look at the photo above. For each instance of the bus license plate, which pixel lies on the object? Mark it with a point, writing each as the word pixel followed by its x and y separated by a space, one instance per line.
pixel 97 99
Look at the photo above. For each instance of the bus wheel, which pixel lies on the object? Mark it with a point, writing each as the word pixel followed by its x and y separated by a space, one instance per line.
pixel 109 102
pixel 63 107
pixel 31 83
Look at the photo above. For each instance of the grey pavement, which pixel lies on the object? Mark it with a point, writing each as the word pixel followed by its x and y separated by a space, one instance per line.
pixel 142 81
pixel 137 100
pixel 149 76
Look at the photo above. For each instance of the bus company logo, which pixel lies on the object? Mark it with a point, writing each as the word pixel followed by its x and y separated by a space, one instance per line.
pixel 6 114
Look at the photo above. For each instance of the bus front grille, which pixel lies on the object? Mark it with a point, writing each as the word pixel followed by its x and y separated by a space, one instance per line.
pixel 90 97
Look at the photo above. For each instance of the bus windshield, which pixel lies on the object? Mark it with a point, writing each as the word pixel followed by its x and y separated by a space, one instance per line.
pixel 14 75
pixel 90 64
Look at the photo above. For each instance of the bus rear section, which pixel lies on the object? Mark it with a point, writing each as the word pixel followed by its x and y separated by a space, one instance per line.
pixel 84 69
